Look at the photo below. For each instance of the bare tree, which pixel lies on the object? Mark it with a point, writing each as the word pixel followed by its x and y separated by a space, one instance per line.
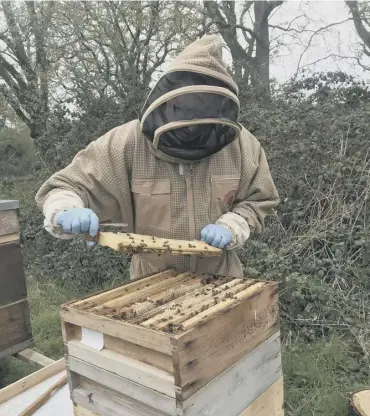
pixel 252 61
pixel 115 48
pixel 361 19
pixel 24 61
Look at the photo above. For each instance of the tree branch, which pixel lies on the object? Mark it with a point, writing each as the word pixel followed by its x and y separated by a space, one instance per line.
pixel 357 19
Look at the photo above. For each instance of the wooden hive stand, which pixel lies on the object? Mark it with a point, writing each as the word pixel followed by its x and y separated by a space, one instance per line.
pixel 176 344
pixel 15 326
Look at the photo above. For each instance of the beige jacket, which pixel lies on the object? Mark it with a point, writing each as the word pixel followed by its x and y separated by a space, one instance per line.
pixel 124 177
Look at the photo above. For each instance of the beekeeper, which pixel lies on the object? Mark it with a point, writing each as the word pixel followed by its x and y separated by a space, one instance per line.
pixel 187 169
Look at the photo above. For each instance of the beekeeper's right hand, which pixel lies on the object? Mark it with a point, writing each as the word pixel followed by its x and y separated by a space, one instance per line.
pixel 79 221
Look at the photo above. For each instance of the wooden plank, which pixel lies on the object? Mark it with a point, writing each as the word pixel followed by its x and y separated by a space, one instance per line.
pixel 74 379
pixel 107 402
pixel 128 368
pixel 147 291
pixel 82 411
pixel 240 385
pixel 221 307
pixel 12 280
pixel 200 306
pixel 224 340
pixel 154 358
pixel 14 324
pixel 8 204
pixel 135 391
pixel 9 223
pixel 115 328
pixel 31 409
pixel 9 238
pixel 33 357
pixel 269 403
pixel 129 287
pixel 14 349
pixel 31 380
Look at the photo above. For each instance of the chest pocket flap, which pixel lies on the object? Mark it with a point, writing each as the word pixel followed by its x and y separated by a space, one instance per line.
pixel 152 203
pixel 223 193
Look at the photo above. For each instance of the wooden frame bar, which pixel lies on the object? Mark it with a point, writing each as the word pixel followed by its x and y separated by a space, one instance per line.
pixel 31 380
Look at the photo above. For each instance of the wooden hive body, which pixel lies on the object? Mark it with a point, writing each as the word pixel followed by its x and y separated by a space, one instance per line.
pixel 15 328
pixel 176 344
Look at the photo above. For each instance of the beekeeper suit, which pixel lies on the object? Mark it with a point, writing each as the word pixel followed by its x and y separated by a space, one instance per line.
pixel 185 170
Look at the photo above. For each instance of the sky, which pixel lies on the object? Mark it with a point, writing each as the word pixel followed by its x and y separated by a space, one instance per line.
pixel 340 39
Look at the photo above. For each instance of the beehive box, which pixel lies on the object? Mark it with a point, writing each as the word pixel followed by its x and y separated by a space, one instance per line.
pixel 176 344
pixel 15 328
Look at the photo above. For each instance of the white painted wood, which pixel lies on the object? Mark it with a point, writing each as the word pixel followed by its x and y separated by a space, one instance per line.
pixel 8 204
pixel 105 403
pixel 129 388
pixel 128 368
pixel 59 403
pixel 237 387
pixel 31 380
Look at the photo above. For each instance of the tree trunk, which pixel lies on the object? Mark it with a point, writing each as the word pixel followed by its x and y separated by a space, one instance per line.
pixel 262 58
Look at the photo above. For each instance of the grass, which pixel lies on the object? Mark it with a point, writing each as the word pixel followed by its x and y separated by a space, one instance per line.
pixel 320 377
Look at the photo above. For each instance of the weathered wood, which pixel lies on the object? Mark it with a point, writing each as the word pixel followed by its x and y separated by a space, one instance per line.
pixel 154 358
pixel 8 238
pixel 107 402
pixel 191 304
pixel 9 223
pixel 128 287
pixel 240 385
pixel 82 411
pixel 70 331
pixel 131 333
pixel 14 349
pixel 146 292
pixel 269 403
pixel 12 280
pixel 246 293
pixel 135 391
pixel 30 409
pixel 128 368
pixel 8 204
pixel 33 357
pixel 15 325
pixel 360 403
pixel 225 339
pixel 31 380
pixel 146 355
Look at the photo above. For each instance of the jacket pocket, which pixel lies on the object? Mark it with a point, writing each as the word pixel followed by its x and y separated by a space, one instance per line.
pixel 223 192
pixel 152 203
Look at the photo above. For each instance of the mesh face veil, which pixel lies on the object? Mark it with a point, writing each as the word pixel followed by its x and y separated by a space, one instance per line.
pixel 192 112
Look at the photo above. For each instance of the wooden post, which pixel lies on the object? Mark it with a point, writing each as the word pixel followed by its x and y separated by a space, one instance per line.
pixel 15 326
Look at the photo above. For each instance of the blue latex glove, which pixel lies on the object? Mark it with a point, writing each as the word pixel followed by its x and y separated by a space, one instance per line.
pixel 79 221
pixel 216 235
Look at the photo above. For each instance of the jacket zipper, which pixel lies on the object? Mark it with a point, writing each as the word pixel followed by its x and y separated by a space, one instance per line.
pixel 190 198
